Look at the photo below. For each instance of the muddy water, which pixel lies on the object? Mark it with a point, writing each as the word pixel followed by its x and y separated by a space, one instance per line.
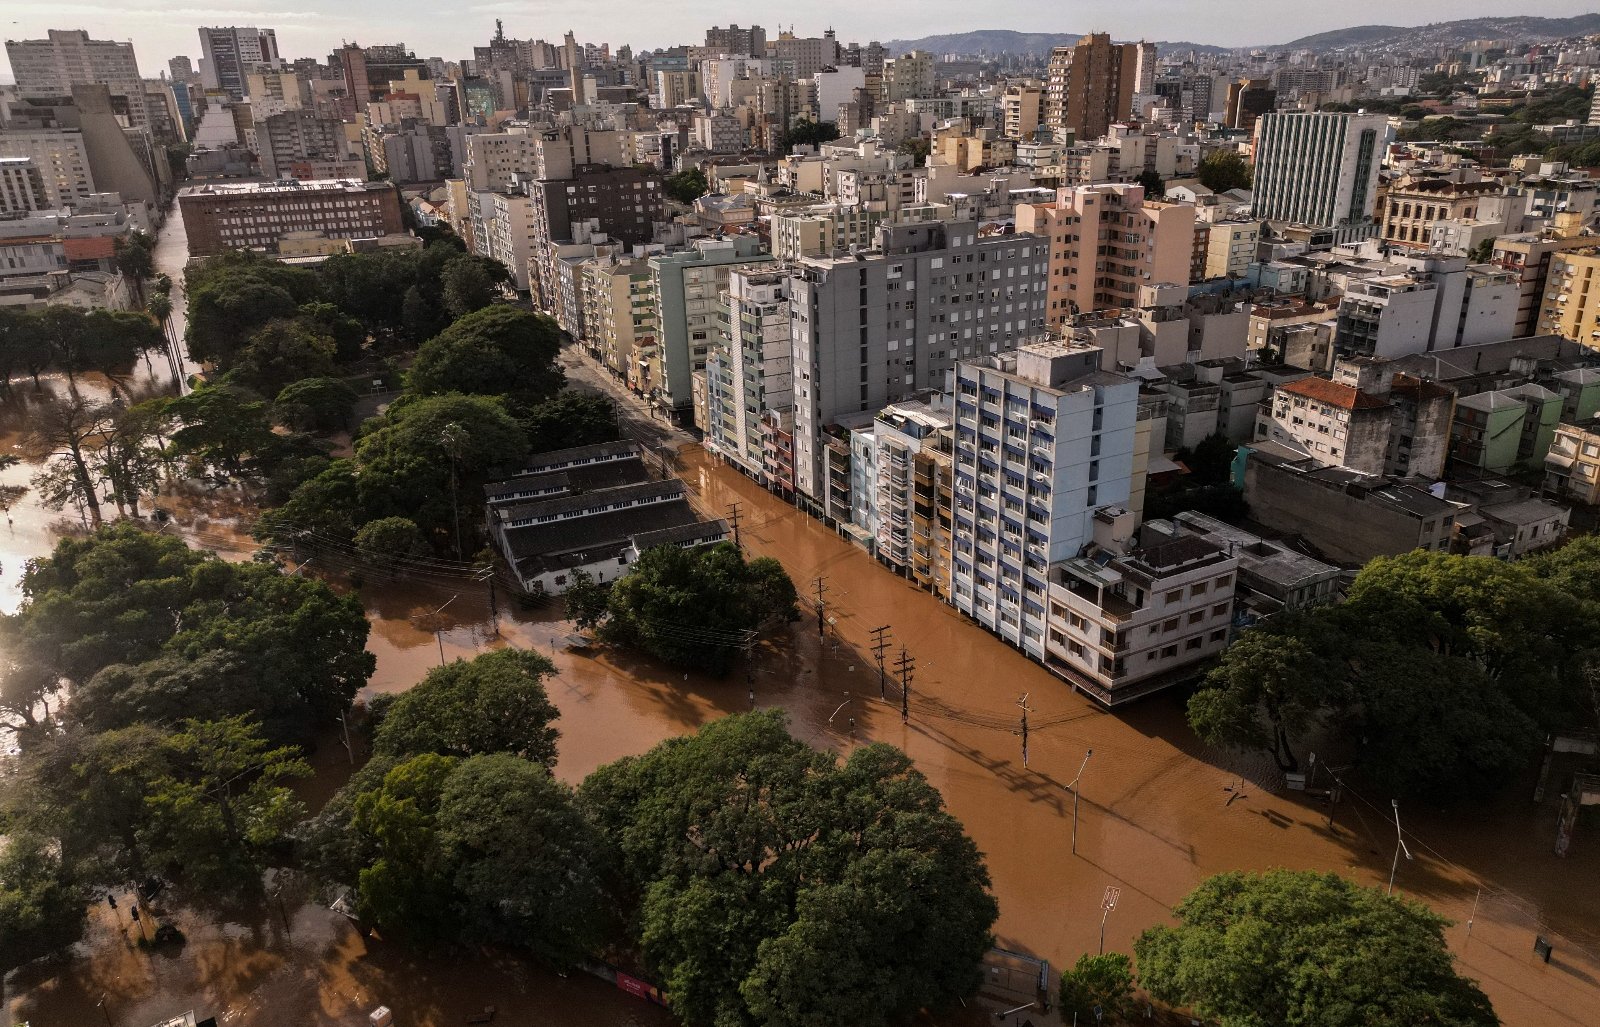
pixel 1157 811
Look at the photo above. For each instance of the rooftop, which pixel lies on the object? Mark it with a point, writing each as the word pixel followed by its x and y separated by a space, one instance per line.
pixel 284 186
pixel 1345 397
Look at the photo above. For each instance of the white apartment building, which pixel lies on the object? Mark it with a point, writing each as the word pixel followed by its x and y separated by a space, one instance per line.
pixel 751 372
pixel 1125 624
pixel 1318 168
pixel 1433 303
pixel 872 328
pixel 1044 438
pixel 22 186
pixel 51 67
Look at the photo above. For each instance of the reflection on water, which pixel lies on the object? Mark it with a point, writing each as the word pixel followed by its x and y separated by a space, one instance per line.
pixel 1158 811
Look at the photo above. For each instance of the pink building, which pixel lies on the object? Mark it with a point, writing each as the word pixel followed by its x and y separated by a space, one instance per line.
pixel 1107 240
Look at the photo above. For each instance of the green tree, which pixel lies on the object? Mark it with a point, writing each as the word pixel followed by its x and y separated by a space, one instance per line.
pixel 283 352
pixel 222 425
pixel 220 816
pixel 686 186
pixel 41 905
pixel 406 890
pixel 569 418
pixel 1210 462
pixel 135 259
pixel 1268 689
pixel 328 506
pixel 66 429
pixel 693 608
pixel 810 133
pixel 769 884
pixel 324 319
pixel 1221 170
pixel 470 283
pixel 494 703
pixel 527 865
pixel 1303 949
pixel 227 309
pixel 1481 253
pixel 585 599
pixel 917 148
pixel 1104 982
pixel 131 457
pixel 390 540
pixel 405 464
pixel 316 404
pixel 1155 186
pixel 499 350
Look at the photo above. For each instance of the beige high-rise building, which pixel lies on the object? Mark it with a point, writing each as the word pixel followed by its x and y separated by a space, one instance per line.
pixel 1021 109
pixel 1572 297
pixel 1089 86
pixel 1105 242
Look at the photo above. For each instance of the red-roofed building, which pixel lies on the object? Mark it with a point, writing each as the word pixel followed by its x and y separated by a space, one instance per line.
pixel 1367 418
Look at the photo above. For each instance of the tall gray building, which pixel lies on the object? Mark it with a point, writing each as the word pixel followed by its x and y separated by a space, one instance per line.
pixel 231 53
pixel 49 68
pixel 1318 169
pixel 873 328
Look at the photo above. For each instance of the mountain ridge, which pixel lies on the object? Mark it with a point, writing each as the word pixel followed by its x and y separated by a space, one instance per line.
pixel 1525 28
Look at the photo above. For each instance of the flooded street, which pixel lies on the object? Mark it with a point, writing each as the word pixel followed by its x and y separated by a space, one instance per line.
pixel 1158 812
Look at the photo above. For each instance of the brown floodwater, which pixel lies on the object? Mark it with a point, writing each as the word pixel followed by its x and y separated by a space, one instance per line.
pixel 1158 810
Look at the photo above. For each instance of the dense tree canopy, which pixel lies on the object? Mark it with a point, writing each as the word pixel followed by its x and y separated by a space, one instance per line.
pixel 493 703
pixel 1301 949
pixel 150 628
pixel 315 404
pixel 770 884
pixel 1440 672
pixel 686 186
pixel 1221 170
pixel 693 607
pixel 499 350
pixel 567 419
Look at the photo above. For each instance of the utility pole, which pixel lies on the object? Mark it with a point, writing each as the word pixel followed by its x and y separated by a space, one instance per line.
pixel 1074 787
pixel 880 645
pixel 821 590
pixel 1022 704
pixel 905 665
pixel 733 518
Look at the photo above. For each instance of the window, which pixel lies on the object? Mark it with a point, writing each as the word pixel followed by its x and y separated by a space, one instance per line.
pixel 1176 595
pixel 1197 589
pixel 1218 635
pixel 1197 616
pixel 1192 644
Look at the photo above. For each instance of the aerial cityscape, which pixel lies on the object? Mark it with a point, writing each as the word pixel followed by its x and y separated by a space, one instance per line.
pixel 756 524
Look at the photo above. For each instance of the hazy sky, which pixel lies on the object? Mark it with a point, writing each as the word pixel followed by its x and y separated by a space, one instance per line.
pixel 161 29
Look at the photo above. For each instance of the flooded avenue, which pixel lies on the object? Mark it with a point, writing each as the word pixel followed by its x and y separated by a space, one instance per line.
pixel 1158 812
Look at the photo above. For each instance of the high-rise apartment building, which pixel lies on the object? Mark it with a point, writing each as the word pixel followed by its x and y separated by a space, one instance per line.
pixel 1248 99
pixel 737 42
pixel 751 372
pixel 1044 439
pixel 1021 110
pixel 1144 75
pixel 1318 168
pixel 48 68
pixel 1105 242
pixel 22 189
pixel 688 289
pixel 873 328
pixel 300 137
pixel 1089 86
pixel 228 54
pixel 808 55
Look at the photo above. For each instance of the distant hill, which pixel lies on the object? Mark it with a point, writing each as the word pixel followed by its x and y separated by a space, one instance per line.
pixel 1445 33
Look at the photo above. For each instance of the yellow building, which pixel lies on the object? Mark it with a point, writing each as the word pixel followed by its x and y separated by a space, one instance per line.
pixel 1571 306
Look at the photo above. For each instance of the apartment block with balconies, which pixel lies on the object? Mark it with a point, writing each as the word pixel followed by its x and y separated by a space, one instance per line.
pixel 1043 439
pixel 1106 241
pixel 1124 624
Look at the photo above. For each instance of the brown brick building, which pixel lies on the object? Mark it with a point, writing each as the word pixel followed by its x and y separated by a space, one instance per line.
pixel 256 215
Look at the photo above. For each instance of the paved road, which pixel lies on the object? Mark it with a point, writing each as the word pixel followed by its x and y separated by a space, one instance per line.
pixel 636 417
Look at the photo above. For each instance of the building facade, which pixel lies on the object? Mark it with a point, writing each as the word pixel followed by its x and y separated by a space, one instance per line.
pixel 1318 169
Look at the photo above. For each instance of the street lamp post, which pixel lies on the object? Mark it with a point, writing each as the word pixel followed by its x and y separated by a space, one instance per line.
pixel 1399 846
pixel 1074 787
pixel 438 635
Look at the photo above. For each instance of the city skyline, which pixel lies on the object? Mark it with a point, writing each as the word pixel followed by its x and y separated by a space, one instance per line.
pixel 160 29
